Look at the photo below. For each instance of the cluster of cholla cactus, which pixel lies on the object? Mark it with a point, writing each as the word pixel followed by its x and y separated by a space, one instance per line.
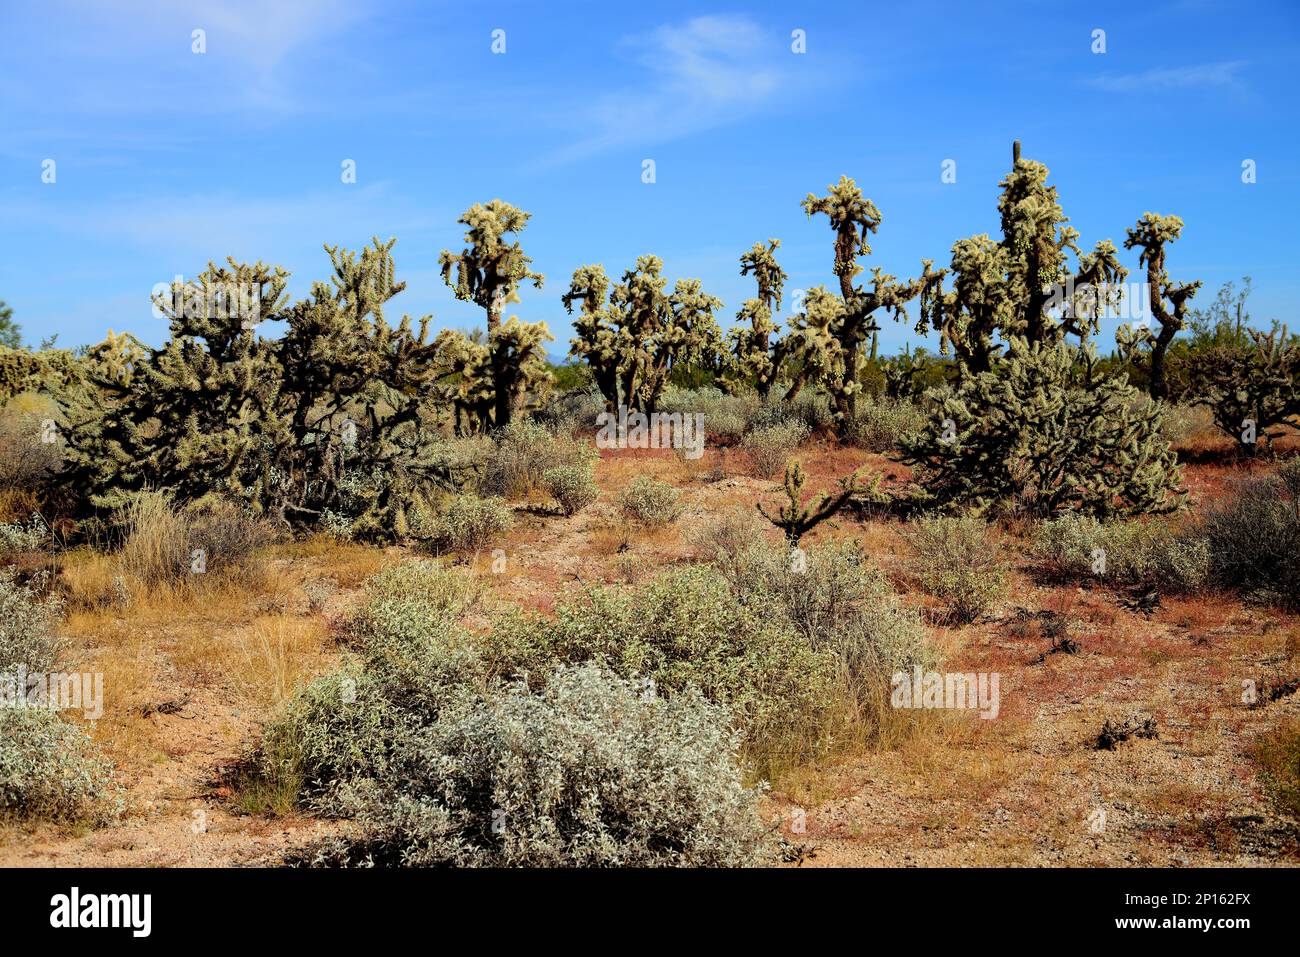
pixel 1045 431
pixel 634 334
pixel 336 415
pixel 342 414
pixel 1252 388
pixel 1033 420
pixel 1021 286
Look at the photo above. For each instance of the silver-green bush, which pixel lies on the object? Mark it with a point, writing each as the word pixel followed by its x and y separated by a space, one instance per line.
pixel 592 771
pixel 26 627
pixel 1149 552
pixel 572 486
pixel 650 501
pixel 769 448
pixel 957 562
pixel 879 422
pixel 49 769
pixel 467 523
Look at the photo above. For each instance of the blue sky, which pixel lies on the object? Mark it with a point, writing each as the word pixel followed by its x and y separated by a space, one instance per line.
pixel 166 158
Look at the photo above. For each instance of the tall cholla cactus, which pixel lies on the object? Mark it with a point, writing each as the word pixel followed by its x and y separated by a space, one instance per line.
pixel 488 272
pixel 753 358
pixel 854 218
pixel 1044 432
pixel 633 341
pixel 1168 300
pixel 1253 388
pixel 1021 285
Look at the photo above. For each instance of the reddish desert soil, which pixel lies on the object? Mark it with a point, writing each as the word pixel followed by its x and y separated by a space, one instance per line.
pixel 1024 789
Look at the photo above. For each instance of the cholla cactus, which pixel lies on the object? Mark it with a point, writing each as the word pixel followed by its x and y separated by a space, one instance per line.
pixel 335 417
pixel 854 218
pixel 1151 234
pixel 1021 286
pixel 1044 432
pixel 488 272
pixel 797 519
pixel 1253 388
pixel 635 340
pixel 753 358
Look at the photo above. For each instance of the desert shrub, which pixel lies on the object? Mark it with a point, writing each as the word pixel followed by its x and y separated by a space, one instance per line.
pixel 770 447
pixel 810 406
pixel 161 541
pixel 229 535
pixel 726 417
pixel 841 606
pixel 26 461
pixel 650 501
pixel 590 771
pixel 412 664
pixel 1254 537
pixel 1136 552
pixel 878 423
pixel 729 536
pixel 49 769
pixel 23 537
pixel 26 627
pixel 573 413
pixel 958 563
pixel 467 523
pixel 412 601
pixel 687 628
pixel 572 486
pixel 523 452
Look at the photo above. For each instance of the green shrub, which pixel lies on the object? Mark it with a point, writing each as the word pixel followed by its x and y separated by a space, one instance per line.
pixel 591 771
pixel 769 448
pixel 841 606
pixel 726 417
pixel 412 601
pixel 1254 537
pixel 523 452
pixel 688 628
pixel 467 523
pixel 879 423
pixel 1150 552
pixel 49 769
pixel 572 413
pixel 572 486
pixel 958 563
pixel 650 501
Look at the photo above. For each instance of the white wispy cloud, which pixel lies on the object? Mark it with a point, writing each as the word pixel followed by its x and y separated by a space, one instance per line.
pixel 696 75
pixel 1224 75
